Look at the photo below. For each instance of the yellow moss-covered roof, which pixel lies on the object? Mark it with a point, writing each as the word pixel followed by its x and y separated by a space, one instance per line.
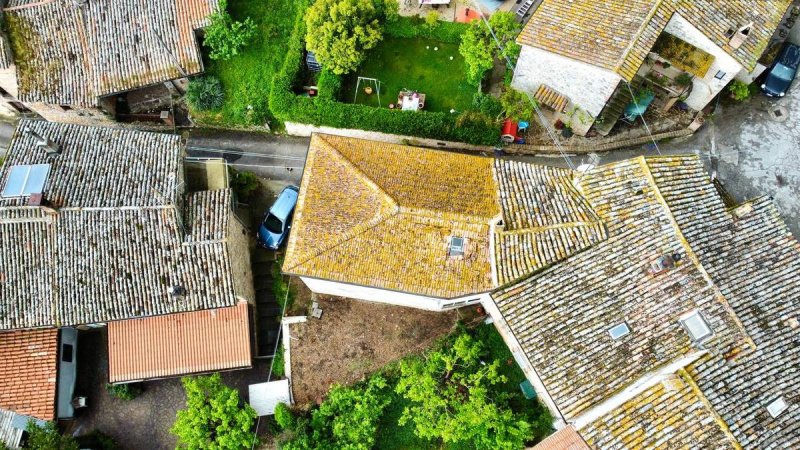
pixel 382 215
pixel 672 414
pixel 618 35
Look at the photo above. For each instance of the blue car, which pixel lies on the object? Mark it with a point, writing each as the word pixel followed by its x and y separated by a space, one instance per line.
pixel 781 74
pixel 278 220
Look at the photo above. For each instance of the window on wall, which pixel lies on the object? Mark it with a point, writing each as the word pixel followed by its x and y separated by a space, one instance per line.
pixel 720 75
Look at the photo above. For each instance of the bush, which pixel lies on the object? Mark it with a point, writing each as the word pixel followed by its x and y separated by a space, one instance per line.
pixel 224 36
pixel 458 398
pixel 488 105
pixel 284 417
pixel 48 437
pixel 279 363
pixel 683 80
pixel 432 19
pixel 205 93
pixel 213 417
pixel 347 419
pixel 97 440
pixel 517 105
pixel 243 183
pixel 411 27
pixel 127 391
pixel 740 91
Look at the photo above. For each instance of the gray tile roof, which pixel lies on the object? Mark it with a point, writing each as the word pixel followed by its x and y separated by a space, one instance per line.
pixel 562 314
pixel 70 53
pixel 755 260
pixel 114 256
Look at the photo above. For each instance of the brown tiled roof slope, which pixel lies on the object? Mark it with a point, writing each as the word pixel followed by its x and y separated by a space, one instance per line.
pixel 562 314
pixel 75 52
pixel 28 372
pixel 545 219
pixel 119 242
pixel 362 203
pixel 617 35
pixel 754 259
pixel 177 344
pixel 670 414
pixel 566 438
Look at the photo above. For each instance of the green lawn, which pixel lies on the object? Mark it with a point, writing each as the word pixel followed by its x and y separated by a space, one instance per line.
pixel 247 78
pixel 401 63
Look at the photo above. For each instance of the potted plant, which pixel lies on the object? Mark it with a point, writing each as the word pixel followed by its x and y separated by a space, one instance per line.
pixel 567 131
pixel 559 125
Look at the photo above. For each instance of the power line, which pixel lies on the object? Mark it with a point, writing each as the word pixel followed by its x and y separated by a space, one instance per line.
pixel 545 123
pixel 636 102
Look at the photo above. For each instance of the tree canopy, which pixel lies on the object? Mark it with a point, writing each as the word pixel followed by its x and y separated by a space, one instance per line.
pixel 517 105
pixel 48 437
pixel 458 399
pixel 213 418
pixel 339 32
pixel 479 48
pixel 224 36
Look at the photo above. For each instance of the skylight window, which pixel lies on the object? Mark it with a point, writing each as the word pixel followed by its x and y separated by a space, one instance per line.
pixel 456 246
pixel 619 331
pixel 26 180
pixel 696 326
pixel 777 407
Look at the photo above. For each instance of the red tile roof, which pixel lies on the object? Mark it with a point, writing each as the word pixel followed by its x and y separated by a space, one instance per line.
pixel 564 439
pixel 28 372
pixel 179 344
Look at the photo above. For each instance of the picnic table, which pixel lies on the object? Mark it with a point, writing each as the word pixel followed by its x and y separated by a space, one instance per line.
pixel 411 100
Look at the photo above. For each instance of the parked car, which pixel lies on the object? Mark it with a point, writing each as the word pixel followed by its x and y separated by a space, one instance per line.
pixel 780 75
pixel 278 220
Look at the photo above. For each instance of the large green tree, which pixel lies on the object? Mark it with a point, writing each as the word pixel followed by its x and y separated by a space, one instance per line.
pixel 214 417
pixel 339 32
pixel 457 398
pixel 224 36
pixel 479 48
pixel 347 419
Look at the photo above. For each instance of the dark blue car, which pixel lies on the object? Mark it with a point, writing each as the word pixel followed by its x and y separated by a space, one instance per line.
pixel 278 220
pixel 782 72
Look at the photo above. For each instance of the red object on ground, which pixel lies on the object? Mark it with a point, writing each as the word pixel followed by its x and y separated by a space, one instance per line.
pixel 467 16
pixel 509 131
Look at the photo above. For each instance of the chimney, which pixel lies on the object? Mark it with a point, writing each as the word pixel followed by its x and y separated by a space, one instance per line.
pixel 36 199
pixel 48 145
pixel 740 36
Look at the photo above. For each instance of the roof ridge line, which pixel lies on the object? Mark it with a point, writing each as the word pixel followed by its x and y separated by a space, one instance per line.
pixel 618 65
pixel 690 251
pixel 550 227
pixel 687 377
pixel 445 215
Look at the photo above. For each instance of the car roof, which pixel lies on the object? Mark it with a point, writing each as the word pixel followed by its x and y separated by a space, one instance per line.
pixel 285 203
pixel 790 56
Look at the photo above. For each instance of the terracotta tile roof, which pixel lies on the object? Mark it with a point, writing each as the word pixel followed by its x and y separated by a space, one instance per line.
pixel 671 414
pixel 564 439
pixel 549 97
pixel 545 219
pixel 617 35
pixel 361 202
pixel 754 259
pixel 123 235
pixel 179 344
pixel 77 53
pixel 28 372
pixel 576 301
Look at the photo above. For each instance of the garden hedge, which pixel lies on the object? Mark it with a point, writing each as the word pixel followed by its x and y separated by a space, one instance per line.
pixel 325 110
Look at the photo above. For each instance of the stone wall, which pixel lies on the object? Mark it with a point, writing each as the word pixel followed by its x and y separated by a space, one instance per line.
pixel 238 246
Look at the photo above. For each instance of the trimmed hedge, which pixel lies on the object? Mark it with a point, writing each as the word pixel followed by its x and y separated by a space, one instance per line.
pixel 326 111
pixel 411 27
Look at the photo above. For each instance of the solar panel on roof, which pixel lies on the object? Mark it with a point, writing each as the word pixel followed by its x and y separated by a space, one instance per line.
pixel 26 180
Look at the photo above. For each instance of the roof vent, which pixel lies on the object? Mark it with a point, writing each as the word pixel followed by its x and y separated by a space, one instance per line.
pixel 740 36
pixel 777 406
pixel 48 145
pixel 36 199
pixel 177 291
pixel 664 263
pixel 456 246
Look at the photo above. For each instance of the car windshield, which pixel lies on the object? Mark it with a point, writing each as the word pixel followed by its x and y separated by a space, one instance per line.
pixel 783 72
pixel 273 224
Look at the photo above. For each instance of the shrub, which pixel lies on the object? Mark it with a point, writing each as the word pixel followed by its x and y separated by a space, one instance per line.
pixel 457 398
pixel 284 417
pixel 213 417
pixel 740 91
pixel 205 93
pixel 127 391
pixel 279 363
pixel 244 183
pixel 411 27
pixel 432 19
pixel 487 105
pixel 683 80
pixel 224 36
pixel 48 437
pixel 517 105
pixel 97 440
pixel 339 32
pixel 348 418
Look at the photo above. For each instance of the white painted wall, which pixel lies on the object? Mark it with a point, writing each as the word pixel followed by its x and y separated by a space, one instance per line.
pixel 587 86
pixel 706 88
pixel 396 298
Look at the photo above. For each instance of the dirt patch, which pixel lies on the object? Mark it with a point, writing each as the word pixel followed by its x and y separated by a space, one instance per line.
pixel 354 338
